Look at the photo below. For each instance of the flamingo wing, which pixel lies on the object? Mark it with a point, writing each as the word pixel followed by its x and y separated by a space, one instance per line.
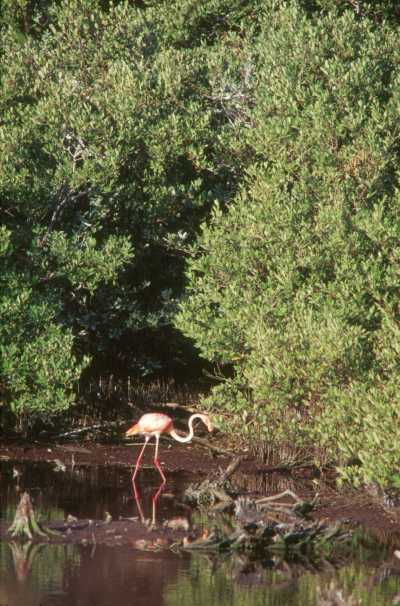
pixel 154 423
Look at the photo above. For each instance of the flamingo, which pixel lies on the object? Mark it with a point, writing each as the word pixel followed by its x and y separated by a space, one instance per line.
pixel 154 424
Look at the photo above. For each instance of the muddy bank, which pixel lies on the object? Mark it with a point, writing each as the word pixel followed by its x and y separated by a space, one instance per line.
pixel 363 511
pixel 114 533
pixel 175 458
pixel 193 463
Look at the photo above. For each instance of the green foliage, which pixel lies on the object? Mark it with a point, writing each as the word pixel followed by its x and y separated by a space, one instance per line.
pixel 38 368
pixel 296 287
pixel 116 137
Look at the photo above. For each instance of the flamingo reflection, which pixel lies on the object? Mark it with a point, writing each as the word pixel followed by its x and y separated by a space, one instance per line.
pixel 154 500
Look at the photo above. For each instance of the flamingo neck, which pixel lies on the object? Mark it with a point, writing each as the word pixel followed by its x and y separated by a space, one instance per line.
pixel 187 438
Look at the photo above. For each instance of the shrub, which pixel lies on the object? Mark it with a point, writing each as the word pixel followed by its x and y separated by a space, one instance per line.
pixel 114 143
pixel 296 287
pixel 38 365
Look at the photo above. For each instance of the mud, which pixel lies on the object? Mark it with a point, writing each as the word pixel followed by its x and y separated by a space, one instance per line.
pixel 194 463
pixel 174 458
pixel 115 533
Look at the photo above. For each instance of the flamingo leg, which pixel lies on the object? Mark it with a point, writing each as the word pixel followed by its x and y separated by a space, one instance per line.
pixel 154 504
pixel 157 462
pixel 138 502
pixel 138 460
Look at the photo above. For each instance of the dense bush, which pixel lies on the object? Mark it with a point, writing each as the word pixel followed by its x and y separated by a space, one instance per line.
pixel 296 287
pixel 38 369
pixel 116 137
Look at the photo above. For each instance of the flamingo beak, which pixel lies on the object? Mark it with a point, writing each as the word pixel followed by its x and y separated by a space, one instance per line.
pixel 132 431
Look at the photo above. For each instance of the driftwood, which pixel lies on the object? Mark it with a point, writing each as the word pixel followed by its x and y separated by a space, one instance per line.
pixel 299 507
pixel 279 522
pixel 232 467
pixel 263 536
pixel 219 493
pixel 210 493
pixel 98 426
pixel 273 498
pixel 256 529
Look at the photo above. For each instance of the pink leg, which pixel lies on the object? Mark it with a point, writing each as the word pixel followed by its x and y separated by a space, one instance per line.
pixel 138 501
pixel 138 460
pixel 157 462
pixel 154 503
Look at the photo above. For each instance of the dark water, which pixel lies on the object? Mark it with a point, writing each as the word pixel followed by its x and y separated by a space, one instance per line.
pixel 54 575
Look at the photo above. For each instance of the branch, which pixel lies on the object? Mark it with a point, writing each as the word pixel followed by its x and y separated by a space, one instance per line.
pixel 63 196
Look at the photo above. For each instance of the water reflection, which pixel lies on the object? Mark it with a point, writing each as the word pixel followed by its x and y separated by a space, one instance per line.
pixel 154 500
pixel 364 574
pixel 29 572
pixel 226 583
pixel 23 555
pixel 66 575
pixel 85 492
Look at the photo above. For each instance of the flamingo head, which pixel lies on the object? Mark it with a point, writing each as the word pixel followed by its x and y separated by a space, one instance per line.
pixel 207 422
pixel 133 431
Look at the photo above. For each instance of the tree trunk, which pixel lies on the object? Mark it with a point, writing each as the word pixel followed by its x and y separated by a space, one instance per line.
pixel 25 524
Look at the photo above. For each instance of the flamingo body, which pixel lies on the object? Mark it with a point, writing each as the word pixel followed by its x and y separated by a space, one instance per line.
pixel 151 424
pixel 154 424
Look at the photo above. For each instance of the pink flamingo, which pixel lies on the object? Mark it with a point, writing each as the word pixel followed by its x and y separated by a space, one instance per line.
pixel 156 423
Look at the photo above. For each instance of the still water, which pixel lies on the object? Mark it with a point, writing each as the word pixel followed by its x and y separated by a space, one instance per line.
pixel 67 575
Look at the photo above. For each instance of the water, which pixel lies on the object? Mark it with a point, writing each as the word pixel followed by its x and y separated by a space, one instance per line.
pixel 69 575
